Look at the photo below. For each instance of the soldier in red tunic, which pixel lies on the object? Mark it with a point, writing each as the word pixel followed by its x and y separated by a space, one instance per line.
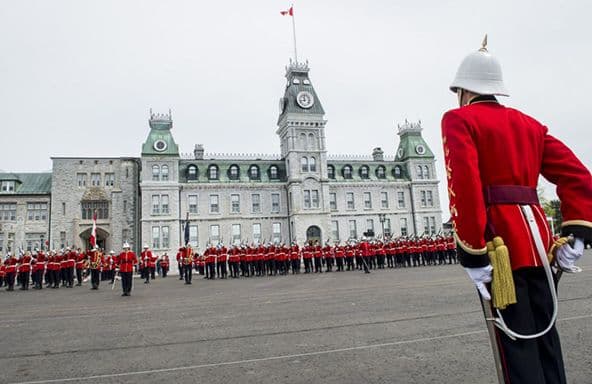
pixel 10 264
pixel 127 259
pixel 164 264
pixel 494 156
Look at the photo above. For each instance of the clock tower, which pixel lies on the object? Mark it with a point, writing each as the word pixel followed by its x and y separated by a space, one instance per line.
pixel 301 128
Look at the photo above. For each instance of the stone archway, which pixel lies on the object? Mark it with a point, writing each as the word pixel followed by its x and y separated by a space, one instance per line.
pixel 102 236
pixel 313 233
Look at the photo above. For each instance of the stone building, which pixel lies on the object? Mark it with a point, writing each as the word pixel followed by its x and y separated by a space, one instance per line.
pixel 82 186
pixel 301 194
pixel 24 211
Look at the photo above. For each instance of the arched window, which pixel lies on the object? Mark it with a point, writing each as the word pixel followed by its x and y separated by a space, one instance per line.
pixel 364 172
pixel 420 172
pixel 311 141
pixel 347 172
pixel 312 164
pixel 397 172
pixel 254 172
pixel 331 171
pixel 303 140
pixel 192 172
pixel 164 173
pixel 213 172
pixel 426 172
pixel 155 173
pixel 304 164
pixel 273 172
pixel 380 172
pixel 233 172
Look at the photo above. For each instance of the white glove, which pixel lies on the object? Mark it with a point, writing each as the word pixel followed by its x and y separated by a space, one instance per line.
pixel 567 256
pixel 480 276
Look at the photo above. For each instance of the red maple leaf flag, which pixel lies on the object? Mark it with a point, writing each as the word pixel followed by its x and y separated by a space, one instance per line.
pixel 289 12
pixel 93 233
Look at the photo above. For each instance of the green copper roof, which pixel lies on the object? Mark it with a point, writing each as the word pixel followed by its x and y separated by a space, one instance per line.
pixel 28 183
pixel 160 141
pixel 412 144
pixel 298 81
pixel 223 167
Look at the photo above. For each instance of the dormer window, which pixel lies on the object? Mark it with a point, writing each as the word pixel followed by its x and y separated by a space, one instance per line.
pixel 192 172
pixel 364 172
pixel 233 172
pixel 295 81
pixel 213 172
pixel 397 172
pixel 254 172
pixel 273 172
pixel 380 172
pixel 347 172
pixel 331 171
pixel 8 186
pixel 306 82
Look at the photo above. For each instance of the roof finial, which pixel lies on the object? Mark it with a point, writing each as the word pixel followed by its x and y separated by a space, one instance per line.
pixel 484 44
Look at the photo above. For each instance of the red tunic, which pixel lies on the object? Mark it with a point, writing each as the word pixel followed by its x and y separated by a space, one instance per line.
pixel 487 144
pixel 127 260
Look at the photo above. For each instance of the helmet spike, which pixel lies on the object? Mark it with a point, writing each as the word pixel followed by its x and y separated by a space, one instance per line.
pixel 484 44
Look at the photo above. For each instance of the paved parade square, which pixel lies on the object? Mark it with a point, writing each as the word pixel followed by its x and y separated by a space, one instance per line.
pixel 413 325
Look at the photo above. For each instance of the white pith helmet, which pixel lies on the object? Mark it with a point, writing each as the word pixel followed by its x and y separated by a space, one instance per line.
pixel 481 73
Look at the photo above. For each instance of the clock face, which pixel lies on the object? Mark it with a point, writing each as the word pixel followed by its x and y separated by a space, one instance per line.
pixel 400 152
pixel 160 145
pixel 305 99
pixel 420 149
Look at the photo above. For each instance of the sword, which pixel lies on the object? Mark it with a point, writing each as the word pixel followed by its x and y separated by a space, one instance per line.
pixel 489 321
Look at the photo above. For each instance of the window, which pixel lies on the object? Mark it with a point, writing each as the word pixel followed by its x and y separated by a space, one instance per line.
pixel 254 172
pixel 426 172
pixel 34 240
pixel 193 235
pixel 155 173
pixel 304 164
pixel 364 172
pixel 367 200
pixel 333 201
pixel 426 225
pixel 314 198
pixel 8 212
pixel 124 206
pixel 8 186
pixel 335 230
pixel 81 179
pixel 164 204
pixel 256 233
pixel 64 209
pixel 275 203
pixel 214 234
pixel 311 141
pixel 370 225
pixel 347 172
pixel 430 198
pixel 303 140
pixel 214 204
pixel 276 232
pixel 312 164
pixel 422 195
pixel 165 236
pixel 95 179
pixel 353 231
pixel 256 202
pixel 1 242
pixel 192 202
pixel 164 173
pixel 387 227
pixel 235 203
pixel 306 199
pixel 155 204
pixel 192 172
pixel 273 172
pixel 100 207
pixel 403 224
pixel 432 225
pixel 37 211
pixel 331 171
pixel 397 172
pixel 109 179
pixel 63 239
pixel 155 237
pixel 401 199
pixel 233 172
pixel 380 172
pixel 349 200
pixel 420 174
pixel 236 233
pixel 384 200
pixel 213 172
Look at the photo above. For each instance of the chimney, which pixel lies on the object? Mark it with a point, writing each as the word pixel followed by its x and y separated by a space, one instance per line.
pixel 198 152
pixel 378 154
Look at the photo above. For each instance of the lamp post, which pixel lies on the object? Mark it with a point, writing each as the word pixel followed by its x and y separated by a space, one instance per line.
pixel 382 219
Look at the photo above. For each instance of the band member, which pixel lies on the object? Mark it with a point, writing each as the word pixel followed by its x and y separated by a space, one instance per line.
pixel 187 263
pixel 38 270
pixel 222 254
pixel 494 157
pixel 148 264
pixel 164 264
pixel 81 265
pixel 10 264
pixel 127 260
pixel 96 261
pixel 328 256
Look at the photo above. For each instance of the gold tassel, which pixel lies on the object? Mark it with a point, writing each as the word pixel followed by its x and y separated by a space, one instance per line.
pixel 556 245
pixel 502 284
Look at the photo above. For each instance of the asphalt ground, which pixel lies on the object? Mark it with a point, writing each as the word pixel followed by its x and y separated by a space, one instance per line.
pixel 417 325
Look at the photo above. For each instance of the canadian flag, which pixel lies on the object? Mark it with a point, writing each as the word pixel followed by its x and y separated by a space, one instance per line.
pixel 93 233
pixel 289 12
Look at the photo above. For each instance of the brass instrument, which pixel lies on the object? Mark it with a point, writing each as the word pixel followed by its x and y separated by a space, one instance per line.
pixel 95 261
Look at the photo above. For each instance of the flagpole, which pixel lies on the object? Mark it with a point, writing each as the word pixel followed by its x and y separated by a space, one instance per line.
pixel 294 33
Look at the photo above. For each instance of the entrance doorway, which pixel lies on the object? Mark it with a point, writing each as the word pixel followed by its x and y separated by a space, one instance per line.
pixel 313 233
pixel 102 236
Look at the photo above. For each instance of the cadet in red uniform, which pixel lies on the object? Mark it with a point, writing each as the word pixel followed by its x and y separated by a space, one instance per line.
pixel 96 261
pixel 81 265
pixel 328 256
pixel 164 264
pixel 10 264
pixel 24 270
pixel 295 258
pixel 494 156
pixel 127 259
pixel 222 258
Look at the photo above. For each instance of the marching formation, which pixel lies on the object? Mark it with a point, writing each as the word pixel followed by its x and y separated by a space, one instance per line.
pixel 72 267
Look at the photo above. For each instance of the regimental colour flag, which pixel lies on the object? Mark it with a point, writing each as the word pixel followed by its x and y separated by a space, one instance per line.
pixel 93 233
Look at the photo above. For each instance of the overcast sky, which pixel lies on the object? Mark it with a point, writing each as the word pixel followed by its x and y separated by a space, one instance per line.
pixel 77 78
